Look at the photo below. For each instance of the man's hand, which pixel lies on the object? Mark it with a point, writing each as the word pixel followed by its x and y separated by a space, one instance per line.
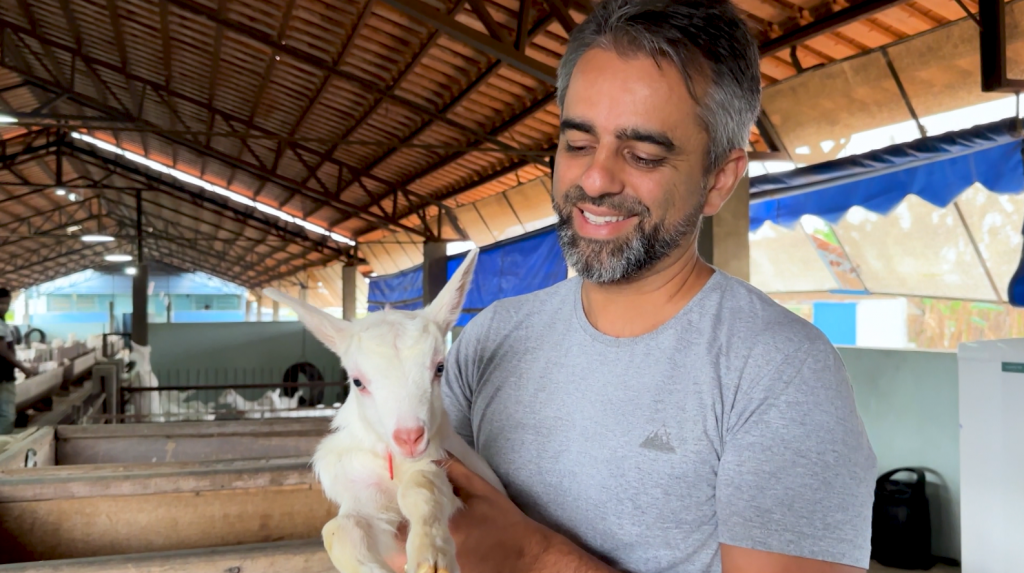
pixel 491 534
pixel 29 370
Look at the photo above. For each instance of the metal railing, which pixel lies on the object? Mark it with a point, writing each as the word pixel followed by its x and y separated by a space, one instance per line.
pixel 210 402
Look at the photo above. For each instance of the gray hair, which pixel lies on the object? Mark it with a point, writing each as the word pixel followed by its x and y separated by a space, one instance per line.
pixel 707 41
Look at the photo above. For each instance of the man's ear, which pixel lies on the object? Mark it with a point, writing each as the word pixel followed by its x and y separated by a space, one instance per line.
pixel 445 309
pixel 724 181
pixel 328 329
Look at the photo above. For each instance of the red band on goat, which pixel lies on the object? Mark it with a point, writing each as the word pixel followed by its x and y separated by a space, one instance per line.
pixel 391 467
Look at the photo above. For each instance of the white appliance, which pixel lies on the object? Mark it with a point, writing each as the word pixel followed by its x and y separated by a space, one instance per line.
pixel 991 376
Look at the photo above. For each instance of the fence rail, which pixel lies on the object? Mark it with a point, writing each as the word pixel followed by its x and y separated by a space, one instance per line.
pixel 143 402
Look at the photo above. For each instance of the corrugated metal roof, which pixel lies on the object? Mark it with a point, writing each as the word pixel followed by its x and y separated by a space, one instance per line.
pixel 363 117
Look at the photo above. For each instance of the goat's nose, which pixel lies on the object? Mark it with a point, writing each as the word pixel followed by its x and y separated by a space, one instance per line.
pixel 409 439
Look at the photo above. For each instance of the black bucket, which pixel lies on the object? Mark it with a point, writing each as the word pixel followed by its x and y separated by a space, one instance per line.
pixel 901 523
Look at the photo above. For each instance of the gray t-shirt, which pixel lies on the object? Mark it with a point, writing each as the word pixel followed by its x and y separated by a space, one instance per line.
pixel 732 423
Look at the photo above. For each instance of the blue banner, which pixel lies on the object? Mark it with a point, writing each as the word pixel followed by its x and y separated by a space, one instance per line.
pixel 510 268
pixel 936 169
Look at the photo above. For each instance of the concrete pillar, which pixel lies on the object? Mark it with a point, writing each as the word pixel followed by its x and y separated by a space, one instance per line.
pixel 435 269
pixel 112 317
pixel 248 310
pixel 349 278
pixel 140 306
pixel 259 308
pixel 170 311
pixel 724 239
pixel 277 312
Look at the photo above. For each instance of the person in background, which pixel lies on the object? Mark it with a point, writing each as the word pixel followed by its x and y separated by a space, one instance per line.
pixel 8 362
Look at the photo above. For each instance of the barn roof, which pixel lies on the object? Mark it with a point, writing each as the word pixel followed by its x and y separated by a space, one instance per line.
pixel 261 138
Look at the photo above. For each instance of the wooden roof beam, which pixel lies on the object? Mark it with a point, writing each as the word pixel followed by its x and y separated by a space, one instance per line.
pixel 66 217
pixel 231 249
pixel 55 270
pixel 148 212
pixel 477 40
pixel 286 274
pixel 202 200
pixel 46 255
pixel 827 24
pixel 186 262
pixel 536 107
pixel 315 62
pixel 382 97
pixel 257 171
pixel 475 85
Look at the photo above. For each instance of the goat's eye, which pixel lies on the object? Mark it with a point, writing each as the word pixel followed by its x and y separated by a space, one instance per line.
pixel 440 369
pixel 357 383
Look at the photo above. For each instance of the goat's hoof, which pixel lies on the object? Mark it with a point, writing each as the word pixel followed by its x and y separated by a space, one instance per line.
pixel 428 568
pixel 430 553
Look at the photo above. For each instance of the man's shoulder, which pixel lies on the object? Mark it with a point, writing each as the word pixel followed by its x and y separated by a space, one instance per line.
pixel 749 317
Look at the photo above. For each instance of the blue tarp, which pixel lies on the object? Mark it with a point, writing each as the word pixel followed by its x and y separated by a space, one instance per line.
pixel 936 169
pixel 514 267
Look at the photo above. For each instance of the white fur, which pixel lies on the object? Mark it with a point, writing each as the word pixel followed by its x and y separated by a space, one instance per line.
pixel 145 404
pixel 271 401
pixel 395 354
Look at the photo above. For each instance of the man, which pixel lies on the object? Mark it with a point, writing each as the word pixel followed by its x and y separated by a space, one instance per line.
pixel 8 362
pixel 653 414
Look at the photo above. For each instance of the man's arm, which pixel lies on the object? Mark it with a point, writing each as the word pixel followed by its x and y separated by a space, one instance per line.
pixel 561 556
pixel 796 478
pixel 8 355
pixel 743 560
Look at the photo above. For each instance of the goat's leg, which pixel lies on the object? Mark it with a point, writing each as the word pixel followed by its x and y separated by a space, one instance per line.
pixel 427 501
pixel 352 542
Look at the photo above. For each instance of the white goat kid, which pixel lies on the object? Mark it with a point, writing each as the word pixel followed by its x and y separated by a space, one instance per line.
pixel 377 464
pixel 146 404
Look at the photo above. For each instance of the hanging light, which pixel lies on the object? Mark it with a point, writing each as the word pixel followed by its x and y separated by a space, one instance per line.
pixel 118 258
pixel 97 238
pixel 8 119
pixel 130 271
pixel 193 180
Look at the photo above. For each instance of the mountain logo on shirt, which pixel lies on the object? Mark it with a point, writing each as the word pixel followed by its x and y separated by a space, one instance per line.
pixel 659 441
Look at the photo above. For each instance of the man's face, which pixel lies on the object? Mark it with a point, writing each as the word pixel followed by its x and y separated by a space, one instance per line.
pixel 5 305
pixel 628 186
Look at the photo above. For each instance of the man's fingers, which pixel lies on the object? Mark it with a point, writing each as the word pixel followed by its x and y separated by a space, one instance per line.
pixel 463 479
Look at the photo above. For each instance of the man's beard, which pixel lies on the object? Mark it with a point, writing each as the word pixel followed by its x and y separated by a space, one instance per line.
pixel 606 261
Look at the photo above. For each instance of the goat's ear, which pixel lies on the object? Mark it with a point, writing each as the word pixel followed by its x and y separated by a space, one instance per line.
pixel 326 328
pixel 445 309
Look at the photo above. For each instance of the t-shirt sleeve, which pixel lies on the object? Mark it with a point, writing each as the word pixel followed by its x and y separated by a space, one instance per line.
pixel 460 377
pixel 797 471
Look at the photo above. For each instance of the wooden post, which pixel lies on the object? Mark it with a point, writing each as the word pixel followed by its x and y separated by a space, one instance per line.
pixel 724 239
pixel 349 276
pixel 435 269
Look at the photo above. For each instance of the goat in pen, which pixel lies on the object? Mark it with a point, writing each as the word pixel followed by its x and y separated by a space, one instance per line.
pixel 378 462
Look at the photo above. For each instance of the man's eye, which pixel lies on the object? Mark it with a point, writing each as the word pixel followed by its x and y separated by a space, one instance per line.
pixel 440 369
pixel 645 162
